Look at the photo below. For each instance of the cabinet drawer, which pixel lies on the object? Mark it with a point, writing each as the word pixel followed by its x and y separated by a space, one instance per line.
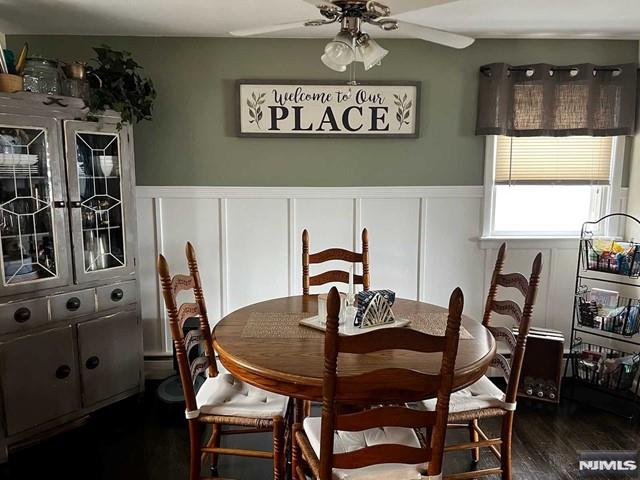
pixel 39 379
pixel 109 355
pixel 23 315
pixel 111 296
pixel 72 304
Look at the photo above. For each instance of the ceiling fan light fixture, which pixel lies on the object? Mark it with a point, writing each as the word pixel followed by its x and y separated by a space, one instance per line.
pixel 339 53
pixel 369 52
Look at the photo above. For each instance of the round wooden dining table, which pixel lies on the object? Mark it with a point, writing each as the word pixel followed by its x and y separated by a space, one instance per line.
pixel 264 345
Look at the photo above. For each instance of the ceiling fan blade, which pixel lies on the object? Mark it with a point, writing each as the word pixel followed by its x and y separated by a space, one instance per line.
pixel 317 3
pixel 441 37
pixel 402 6
pixel 247 32
pixel 396 6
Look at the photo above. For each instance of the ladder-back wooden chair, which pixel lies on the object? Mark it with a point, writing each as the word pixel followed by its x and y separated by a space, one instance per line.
pixel 381 442
pixel 303 409
pixel 484 399
pixel 221 399
pixel 334 254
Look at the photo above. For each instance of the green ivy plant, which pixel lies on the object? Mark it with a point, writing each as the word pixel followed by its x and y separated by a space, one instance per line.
pixel 116 84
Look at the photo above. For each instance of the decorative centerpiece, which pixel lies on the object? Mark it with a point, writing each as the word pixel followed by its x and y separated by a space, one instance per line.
pixel 374 308
pixel 366 310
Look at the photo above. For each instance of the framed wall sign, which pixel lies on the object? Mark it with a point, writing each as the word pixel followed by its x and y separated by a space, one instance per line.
pixel 328 109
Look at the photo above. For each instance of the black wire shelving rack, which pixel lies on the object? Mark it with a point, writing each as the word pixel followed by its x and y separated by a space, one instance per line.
pixel 605 346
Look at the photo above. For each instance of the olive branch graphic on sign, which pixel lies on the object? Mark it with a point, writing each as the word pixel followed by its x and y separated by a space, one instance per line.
pixel 255 110
pixel 404 109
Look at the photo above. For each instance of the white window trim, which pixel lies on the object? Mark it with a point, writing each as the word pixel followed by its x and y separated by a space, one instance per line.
pixel 609 204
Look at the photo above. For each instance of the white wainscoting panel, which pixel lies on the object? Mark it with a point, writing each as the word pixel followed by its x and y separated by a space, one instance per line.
pixel 257 255
pixel 330 223
pixel 453 258
pixel 561 278
pixel 195 220
pixel 424 242
pixel 394 239
pixel 150 307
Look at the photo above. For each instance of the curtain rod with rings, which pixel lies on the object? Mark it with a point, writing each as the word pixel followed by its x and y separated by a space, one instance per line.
pixel 487 70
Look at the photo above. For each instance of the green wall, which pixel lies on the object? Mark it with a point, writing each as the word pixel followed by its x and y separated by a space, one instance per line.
pixel 191 140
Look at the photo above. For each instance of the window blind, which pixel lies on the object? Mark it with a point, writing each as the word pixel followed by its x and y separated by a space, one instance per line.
pixel 553 160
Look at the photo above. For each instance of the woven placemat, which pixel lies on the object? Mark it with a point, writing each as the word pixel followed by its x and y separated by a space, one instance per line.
pixel 278 325
pixel 433 324
pixel 287 325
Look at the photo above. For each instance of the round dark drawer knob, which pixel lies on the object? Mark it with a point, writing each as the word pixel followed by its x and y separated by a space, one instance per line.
pixel 117 295
pixel 22 314
pixel 73 304
pixel 63 371
pixel 92 362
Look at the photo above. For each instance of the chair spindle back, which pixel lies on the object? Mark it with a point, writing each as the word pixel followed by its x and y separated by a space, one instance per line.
pixel 389 386
pixel 188 366
pixel 334 254
pixel 522 316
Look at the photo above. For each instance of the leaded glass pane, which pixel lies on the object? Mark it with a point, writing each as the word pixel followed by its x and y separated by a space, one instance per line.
pixel 100 187
pixel 26 215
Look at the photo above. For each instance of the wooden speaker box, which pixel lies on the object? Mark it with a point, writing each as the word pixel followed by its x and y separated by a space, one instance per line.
pixel 542 368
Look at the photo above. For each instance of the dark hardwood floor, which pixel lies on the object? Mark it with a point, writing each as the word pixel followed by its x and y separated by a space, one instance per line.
pixel 148 440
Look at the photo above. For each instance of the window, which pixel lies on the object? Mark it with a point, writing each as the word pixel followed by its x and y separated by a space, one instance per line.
pixel 549 186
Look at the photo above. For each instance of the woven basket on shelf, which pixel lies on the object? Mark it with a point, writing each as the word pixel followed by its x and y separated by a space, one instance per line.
pixel 10 83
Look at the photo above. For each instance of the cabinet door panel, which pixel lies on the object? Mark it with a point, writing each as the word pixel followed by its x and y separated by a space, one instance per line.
pixel 33 222
pixel 100 190
pixel 39 379
pixel 109 355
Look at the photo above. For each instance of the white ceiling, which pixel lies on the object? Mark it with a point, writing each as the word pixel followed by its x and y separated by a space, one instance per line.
pixel 213 18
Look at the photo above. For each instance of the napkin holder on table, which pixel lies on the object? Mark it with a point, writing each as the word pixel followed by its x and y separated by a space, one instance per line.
pixel 373 313
pixel 374 308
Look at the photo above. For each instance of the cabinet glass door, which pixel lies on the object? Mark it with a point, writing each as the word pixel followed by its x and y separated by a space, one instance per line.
pixel 98 188
pixel 32 230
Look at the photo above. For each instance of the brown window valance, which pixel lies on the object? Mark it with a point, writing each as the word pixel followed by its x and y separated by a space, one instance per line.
pixel 549 100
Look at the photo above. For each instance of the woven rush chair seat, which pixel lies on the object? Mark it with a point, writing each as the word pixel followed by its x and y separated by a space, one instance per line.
pixel 479 395
pixel 349 441
pixel 224 395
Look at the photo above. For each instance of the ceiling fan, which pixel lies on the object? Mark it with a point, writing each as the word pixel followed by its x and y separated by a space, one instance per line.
pixel 351 43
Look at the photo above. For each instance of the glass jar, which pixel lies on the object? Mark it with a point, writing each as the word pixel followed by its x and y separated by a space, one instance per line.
pixel 41 76
pixel 74 87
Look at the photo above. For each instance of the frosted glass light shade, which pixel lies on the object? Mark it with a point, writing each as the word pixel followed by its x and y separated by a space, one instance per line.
pixel 338 53
pixel 370 53
pixel 328 61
